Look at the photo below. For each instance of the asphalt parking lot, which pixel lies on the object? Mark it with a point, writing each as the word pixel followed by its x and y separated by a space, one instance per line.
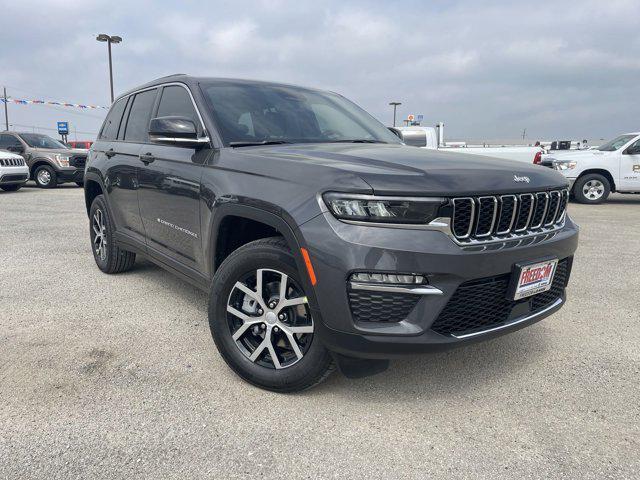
pixel 117 376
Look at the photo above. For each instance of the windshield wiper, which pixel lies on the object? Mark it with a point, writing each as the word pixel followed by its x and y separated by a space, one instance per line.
pixel 357 140
pixel 253 144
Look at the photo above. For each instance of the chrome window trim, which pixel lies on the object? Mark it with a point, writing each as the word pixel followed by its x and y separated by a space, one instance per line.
pixel 158 87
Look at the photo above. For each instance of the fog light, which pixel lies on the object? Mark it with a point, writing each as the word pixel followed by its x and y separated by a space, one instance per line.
pixel 388 278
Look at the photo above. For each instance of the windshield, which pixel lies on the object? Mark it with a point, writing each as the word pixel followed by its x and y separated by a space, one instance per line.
pixel 616 143
pixel 37 140
pixel 247 114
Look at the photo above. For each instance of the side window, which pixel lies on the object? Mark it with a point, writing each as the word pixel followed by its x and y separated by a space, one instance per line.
pixel 634 148
pixel 110 128
pixel 175 101
pixel 137 129
pixel 9 141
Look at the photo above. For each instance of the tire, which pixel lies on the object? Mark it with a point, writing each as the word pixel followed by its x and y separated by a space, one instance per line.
pixel 108 256
pixel 45 177
pixel 591 189
pixel 296 369
pixel 80 184
pixel 12 188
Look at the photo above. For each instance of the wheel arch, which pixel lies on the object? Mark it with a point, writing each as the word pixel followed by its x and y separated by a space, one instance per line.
pixel 272 223
pixel 38 162
pixel 600 171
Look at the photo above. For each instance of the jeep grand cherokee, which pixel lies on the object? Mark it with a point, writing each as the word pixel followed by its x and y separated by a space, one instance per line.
pixel 322 240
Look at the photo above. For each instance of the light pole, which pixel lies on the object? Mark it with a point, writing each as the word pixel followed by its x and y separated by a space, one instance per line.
pixel 394 105
pixel 103 37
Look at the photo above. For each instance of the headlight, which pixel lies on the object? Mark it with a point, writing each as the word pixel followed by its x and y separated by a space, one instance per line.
pixel 564 164
pixel 62 160
pixel 369 208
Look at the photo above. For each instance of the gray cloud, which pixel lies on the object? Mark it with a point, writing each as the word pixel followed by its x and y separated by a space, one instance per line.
pixel 488 69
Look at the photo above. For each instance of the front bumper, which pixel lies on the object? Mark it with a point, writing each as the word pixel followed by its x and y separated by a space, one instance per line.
pixel 70 174
pixel 13 175
pixel 338 249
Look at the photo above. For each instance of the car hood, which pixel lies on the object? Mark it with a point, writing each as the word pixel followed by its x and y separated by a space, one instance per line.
pixel 7 155
pixel 392 169
pixel 576 154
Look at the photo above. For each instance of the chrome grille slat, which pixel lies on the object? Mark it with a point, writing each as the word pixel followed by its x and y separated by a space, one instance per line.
pixel 507 217
pixel 472 205
pixel 504 200
pixel 487 208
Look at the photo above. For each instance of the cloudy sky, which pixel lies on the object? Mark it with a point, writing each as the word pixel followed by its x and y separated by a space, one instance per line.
pixel 487 69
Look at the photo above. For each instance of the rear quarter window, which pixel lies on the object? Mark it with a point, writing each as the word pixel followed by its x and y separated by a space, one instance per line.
pixel 112 122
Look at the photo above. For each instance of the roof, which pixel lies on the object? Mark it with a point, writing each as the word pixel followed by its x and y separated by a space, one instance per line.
pixel 193 81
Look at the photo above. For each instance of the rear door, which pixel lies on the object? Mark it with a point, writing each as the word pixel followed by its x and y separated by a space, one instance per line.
pixel 169 186
pixel 122 162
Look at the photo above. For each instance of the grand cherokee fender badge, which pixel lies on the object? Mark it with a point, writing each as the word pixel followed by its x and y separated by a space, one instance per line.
pixel 521 179
pixel 176 227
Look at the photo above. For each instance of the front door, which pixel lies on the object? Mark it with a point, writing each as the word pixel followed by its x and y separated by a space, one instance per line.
pixel 169 187
pixel 630 168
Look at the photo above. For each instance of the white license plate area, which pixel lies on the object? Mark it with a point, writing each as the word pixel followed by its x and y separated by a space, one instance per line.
pixel 534 278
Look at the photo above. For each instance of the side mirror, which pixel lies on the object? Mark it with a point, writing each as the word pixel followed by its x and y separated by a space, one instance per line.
pixel 178 131
pixel 396 132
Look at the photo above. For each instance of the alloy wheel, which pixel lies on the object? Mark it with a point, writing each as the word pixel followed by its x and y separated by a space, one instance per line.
pixel 593 189
pixel 269 318
pixel 100 235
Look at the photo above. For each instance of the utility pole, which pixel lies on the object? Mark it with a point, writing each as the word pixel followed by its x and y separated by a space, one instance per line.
pixel 394 105
pixel 6 110
pixel 524 133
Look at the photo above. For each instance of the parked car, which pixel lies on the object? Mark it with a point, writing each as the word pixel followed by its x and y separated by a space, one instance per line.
pixel 594 174
pixel 13 171
pixel 83 145
pixel 430 138
pixel 320 237
pixel 50 162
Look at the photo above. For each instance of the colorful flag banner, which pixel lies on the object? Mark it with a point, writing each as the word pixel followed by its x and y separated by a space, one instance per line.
pixel 50 102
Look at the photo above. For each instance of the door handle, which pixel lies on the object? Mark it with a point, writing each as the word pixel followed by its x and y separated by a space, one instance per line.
pixel 147 158
pixel 110 153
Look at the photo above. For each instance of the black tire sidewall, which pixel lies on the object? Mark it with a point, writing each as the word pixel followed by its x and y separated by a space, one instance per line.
pixel 11 188
pixel 302 374
pixel 99 203
pixel 578 186
pixel 54 177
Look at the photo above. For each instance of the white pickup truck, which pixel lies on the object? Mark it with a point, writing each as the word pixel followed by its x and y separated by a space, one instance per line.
pixel 14 172
pixel 594 174
pixel 433 138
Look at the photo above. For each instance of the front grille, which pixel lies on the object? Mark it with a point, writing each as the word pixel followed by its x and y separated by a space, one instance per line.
pixel 488 218
pixel 78 161
pixel 482 304
pixel 18 177
pixel 387 307
pixel 11 162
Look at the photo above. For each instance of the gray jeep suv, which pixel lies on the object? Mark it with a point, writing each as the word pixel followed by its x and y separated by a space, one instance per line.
pixel 50 162
pixel 322 240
